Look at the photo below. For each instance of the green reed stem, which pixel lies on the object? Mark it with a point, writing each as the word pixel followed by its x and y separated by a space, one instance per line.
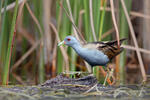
pixel 10 47
pixel 102 20
pixel 96 14
pixel 3 26
pixel 86 19
pixel 41 67
pixel 123 33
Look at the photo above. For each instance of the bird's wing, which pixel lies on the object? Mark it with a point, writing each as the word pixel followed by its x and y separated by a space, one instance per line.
pixel 108 48
pixel 93 45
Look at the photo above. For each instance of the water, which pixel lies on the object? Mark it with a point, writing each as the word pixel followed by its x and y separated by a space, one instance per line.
pixel 132 92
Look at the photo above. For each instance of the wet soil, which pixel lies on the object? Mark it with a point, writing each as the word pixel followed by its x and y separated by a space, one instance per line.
pixel 65 88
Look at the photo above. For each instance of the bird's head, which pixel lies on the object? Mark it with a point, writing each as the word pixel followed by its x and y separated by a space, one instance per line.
pixel 69 40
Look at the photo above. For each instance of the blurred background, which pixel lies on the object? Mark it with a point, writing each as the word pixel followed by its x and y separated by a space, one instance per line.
pixel 31 29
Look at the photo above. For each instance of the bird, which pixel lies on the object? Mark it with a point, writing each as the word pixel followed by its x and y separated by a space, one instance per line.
pixel 95 53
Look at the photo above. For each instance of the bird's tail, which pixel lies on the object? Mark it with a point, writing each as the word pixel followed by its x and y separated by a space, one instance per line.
pixel 115 42
pixel 114 50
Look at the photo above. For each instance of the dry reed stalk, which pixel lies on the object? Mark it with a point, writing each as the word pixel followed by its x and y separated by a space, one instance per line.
pixel 134 48
pixel 135 41
pixel 91 20
pixel 80 20
pixel 35 45
pixel 47 32
pixel 114 21
pixel 34 18
pixel 133 13
pixel 25 55
pixel 117 36
pixel 54 54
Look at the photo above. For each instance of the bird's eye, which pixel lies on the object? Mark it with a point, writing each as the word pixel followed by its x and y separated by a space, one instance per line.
pixel 68 39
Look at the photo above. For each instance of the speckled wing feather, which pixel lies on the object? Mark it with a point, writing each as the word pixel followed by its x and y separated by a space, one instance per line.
pixel 108 48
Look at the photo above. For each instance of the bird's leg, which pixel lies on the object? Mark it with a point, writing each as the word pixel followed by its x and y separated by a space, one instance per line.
pixel 107 74
pixel 91 73
pixel 89 67
pixel 92 70
pixel 111 75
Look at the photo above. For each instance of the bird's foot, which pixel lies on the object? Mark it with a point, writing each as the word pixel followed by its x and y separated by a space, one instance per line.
pixel 108 76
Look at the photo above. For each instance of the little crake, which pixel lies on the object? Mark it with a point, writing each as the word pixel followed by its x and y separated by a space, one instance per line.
pixel 95 53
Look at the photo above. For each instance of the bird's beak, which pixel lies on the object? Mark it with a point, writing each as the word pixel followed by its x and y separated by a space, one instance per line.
pixel 61 43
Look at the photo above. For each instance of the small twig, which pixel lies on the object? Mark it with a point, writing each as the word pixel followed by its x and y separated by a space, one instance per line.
pixel 91 20
pixel 135 41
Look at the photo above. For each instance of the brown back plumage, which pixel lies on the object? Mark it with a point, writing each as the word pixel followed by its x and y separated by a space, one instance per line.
pixel 108 48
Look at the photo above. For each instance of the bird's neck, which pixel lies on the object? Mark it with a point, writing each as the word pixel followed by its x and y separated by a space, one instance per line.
pixel 77 47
